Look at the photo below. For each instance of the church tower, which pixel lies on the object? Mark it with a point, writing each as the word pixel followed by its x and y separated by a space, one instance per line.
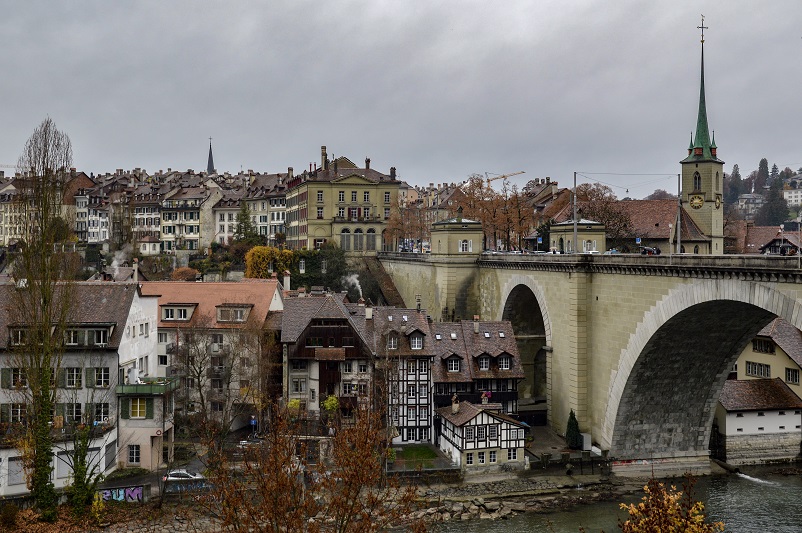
pixel 703 175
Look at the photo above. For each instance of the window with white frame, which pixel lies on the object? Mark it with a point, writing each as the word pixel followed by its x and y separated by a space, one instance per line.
pixel 101 412
pixel 484 363
pixel 182 313
pixel 469 459
pixel 423 412
pixel 423 391
pixel 512 454
pixel 348 367
pixel 411 366
pixel 492 432
pixel 363 368
pixel 504 362
pixel 412 412
pixel 319 196
pixel 168 313
pixel 71 337
pixel 416 341
pixel 162 338
pixel 411 390
pixel 102 376
pixel 72 413
pixel 386 197
pixel 469 434
pixel 480 432
pixel 72 378
pixel 453 364
pixel 18 377
pixel 298 385
pixel 481 458
pixel 492 456
pixel 759 370
pixel 792 376
pixel 392 342
pixel 17 413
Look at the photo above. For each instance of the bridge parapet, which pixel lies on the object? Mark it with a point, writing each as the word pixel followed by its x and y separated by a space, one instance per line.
pixel 743 267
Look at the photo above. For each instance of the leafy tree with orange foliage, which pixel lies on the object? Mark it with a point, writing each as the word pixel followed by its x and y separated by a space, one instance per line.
pixel 184 274
pixel 667 510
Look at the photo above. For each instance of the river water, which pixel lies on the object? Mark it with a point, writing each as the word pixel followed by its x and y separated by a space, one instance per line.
pixel 759 500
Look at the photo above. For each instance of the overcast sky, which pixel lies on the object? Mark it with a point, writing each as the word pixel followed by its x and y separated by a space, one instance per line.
pixel 439 90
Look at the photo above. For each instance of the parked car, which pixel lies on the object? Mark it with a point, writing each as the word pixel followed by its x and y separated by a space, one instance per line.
pixel 182 474
pixel 648 250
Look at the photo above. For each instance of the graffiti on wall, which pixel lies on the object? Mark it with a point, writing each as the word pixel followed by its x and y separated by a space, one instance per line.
pixel 123 494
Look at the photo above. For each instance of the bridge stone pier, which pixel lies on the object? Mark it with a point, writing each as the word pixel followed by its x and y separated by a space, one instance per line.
pixel 638 346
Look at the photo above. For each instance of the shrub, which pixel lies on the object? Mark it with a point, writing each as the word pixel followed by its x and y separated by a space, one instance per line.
pixel 8 515
pixel 573 438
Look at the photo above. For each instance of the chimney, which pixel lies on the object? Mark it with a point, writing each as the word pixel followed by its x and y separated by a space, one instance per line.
pixel 392 172
pixel 323 157
pixel 289 173
pixel 136 270
pixel 335 166
pixel 286 280
pixel 367 163
pixel 454 404
pixel 548 179
pixel 368 312
pixel 476 323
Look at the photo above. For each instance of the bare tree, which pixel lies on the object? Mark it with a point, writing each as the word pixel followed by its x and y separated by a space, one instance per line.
pixel 41 301
pixel 292 482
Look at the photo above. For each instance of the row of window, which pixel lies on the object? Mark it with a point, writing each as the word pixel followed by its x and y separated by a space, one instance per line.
pixel 512 455
pixel 413 412
pixel 762 370
pixel 365 196
pixel 72 337
pixel 70 378
pixel 61 413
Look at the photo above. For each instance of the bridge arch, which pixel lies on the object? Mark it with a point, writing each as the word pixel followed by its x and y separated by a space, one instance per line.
pixel 523 303
pixel 663 395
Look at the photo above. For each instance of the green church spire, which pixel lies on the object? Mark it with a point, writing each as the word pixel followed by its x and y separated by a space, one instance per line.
pixel 701 147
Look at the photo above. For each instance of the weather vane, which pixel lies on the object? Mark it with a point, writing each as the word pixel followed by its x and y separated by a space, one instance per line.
pixel 703 28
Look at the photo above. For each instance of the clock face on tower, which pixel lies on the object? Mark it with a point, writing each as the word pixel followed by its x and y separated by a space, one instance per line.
pixel 697 201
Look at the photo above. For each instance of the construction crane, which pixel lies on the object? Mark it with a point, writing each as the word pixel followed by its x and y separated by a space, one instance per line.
pixel 501 177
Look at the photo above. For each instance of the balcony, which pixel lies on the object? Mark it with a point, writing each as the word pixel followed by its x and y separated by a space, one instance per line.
pixel 149 387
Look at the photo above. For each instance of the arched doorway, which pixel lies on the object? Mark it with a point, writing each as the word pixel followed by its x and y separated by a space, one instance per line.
pixel 345 239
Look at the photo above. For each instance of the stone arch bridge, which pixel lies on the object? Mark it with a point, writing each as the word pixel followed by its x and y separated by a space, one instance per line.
pixel 638 346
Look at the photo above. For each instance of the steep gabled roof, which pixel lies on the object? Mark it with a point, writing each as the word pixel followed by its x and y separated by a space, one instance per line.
pixel 786 336
pixel 100 303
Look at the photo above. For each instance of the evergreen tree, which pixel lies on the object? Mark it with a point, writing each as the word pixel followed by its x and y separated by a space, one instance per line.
pixel 246 229
pixel 733 185
pixel 775 173
pixel 762 178
pixel 775 210
pixel 573 438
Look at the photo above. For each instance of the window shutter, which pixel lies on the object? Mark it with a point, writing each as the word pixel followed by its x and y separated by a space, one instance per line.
pixel 125 408
pixel 78 381
pixel 61 378
pixel 149 408
pixel 60 409
pixel 5 413
pixel 5 378
pixel 90 378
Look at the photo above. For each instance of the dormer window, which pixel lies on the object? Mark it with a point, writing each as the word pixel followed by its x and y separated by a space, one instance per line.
pixel 453 336
pixel 18 337
pixel 501 334
pixel 487 334
pixel 453 364
pixel 232 313
pixel 484 363
pixel 504 362
pixel 416 341
pixel 98 337
pixel 392 342
pixel 438 336
pixel 389 318
pixel 404 318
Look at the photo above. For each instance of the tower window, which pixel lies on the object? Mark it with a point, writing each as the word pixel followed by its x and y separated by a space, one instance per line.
pixel 697 182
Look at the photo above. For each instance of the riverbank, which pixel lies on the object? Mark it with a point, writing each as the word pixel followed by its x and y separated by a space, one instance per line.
pixel 498 498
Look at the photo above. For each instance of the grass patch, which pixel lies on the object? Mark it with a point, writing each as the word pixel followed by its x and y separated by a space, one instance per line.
pixel 416 452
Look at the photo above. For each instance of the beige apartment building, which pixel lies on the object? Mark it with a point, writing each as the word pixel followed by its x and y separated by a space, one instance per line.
pixel 341 203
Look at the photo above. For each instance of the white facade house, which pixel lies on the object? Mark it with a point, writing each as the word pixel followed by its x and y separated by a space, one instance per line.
pixel 480 437
pixel 102 328
pixel 757 421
